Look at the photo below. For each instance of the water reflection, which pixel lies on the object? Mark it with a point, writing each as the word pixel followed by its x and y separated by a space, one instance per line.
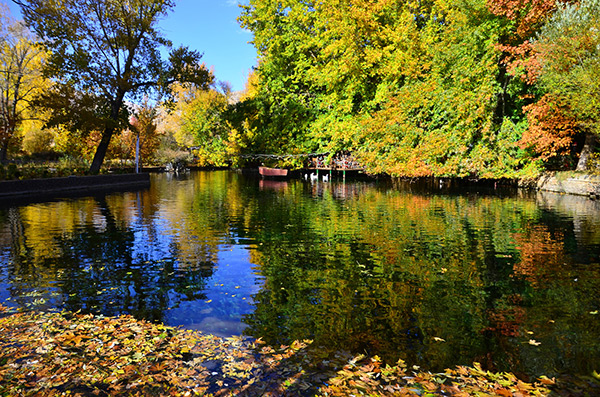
pixel 437 279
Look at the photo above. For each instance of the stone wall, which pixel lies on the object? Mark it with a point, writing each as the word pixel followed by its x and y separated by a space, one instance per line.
pixel 571 183
pixel 32 188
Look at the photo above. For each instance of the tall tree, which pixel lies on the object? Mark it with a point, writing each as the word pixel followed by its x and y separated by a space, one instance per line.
pixel 110 49
pixel 551 130
pixel 284 36
pixel 20 79
pixel 569 54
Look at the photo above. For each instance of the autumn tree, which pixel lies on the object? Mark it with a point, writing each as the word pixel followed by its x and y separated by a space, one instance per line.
pixel 20 77
pixel 569 54
pixel 109 51
pixel 551 129
pixel 203 121
pixel 144 128
pixel 244 119
pixel 285 39
pixel 429 88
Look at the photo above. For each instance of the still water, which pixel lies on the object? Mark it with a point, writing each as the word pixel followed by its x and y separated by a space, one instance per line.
pixel 435 277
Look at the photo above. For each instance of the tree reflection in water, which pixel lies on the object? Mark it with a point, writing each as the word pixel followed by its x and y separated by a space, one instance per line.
pixel 435 277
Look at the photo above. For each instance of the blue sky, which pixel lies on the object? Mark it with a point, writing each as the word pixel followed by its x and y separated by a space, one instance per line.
pixel 210 27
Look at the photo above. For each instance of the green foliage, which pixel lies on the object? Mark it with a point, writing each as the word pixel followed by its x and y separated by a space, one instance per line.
pixel 65 166
pixel 283 106
pixel 103 54
pixel 412 90
pixel 569 48
pixel 203 121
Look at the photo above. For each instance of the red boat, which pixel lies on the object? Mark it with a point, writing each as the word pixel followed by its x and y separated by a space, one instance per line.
pixel 273 172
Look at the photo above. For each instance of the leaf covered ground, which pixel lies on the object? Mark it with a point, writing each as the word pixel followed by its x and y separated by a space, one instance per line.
pixel 52 354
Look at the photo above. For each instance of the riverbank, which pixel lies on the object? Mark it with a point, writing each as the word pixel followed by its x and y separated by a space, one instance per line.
pixel 570 182
pixel 566 182
pixel 74 354
pixel 47 188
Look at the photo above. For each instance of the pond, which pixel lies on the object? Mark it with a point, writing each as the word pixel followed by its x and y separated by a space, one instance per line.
pixel 434 276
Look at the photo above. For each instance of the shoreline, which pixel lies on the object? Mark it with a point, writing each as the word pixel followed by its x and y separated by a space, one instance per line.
pixel 48 188
pixel 570 182
pixel 563 182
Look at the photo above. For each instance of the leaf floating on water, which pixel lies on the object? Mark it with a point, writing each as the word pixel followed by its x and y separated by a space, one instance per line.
pixel 96 350
pixel 208 301
pixel 546 381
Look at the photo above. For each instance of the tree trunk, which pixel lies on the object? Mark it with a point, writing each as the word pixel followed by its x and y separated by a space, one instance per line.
pixel 107 134
pixel 3 151
pixel 588 149
pixel 101 150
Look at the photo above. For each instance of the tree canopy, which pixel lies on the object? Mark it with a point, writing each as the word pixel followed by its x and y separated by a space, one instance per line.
pixel 20 77
pixel 433 88
pixel 568 49
pixel 103 54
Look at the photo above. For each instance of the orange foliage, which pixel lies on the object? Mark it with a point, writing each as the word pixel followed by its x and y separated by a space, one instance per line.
pixel 521 61
pixel 528 14
pixel 550 131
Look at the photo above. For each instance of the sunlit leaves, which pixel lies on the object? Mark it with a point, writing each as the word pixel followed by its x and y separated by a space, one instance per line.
pixel 551 129
pixel 21 60
pixel 412 88
pixel 60 354
pixel 569 52
pixel 110 51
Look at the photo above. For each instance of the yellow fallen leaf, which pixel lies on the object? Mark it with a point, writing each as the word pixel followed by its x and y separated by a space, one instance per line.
pixel 534 342
pixel 208 301
pixel 435 338
pixel 546 381
pixel 594 312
